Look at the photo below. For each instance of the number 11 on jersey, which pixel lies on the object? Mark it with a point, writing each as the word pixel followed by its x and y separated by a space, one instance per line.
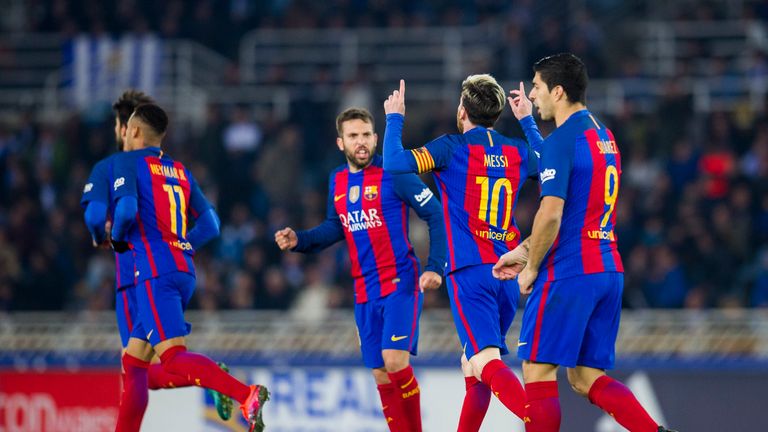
pixel 173 191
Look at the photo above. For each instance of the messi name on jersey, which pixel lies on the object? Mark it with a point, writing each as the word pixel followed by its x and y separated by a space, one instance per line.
pixel 495 161
pixel 358 220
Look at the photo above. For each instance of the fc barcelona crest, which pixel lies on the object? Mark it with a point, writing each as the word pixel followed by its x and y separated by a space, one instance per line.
pixel 371 192
pixel 354 194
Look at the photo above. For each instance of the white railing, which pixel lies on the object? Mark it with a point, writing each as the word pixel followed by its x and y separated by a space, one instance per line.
pixel 665 46
pixel 658 333
pixel 430 55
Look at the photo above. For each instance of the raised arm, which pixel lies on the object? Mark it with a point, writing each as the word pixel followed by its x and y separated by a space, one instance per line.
pixel 522 108
pixel 397 160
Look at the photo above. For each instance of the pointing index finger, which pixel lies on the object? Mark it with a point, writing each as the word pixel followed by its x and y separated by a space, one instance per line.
pixel 402 88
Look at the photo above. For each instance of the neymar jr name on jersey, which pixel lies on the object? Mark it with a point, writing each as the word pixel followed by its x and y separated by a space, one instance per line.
pixel 167 171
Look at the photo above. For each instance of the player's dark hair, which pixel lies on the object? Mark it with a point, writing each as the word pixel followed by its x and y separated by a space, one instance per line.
pixel 353 113
pixel 565 70
pixel 483 99
pixel 127 103
pixel 153 116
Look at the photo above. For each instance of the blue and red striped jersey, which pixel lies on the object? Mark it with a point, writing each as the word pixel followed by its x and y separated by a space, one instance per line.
pixel 99 189
pixel 581 163
pixel 167 194
pixel 479 174
pixel 369 209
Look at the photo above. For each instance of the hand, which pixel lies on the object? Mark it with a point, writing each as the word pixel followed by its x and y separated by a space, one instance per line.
pixel 519 102
pixel 107 242
pixel 526 280
pixel 430 280
pixel 286 239
pixel 511 263
pixel 395 103
pixel 104 245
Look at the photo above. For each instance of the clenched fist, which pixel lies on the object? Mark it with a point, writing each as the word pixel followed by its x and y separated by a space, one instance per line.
pixel 286 239
pixel 430 280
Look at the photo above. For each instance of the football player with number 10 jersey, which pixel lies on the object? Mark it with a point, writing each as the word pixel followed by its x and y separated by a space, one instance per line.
pixel 479 173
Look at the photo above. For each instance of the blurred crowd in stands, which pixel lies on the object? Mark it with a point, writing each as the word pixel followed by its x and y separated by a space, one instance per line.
pixel 693 209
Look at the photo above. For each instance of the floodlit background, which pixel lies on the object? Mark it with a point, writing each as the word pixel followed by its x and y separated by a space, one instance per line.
pixel 253 87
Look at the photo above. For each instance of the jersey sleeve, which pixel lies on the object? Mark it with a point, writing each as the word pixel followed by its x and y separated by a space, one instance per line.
pixel 532 134
pixel 97 187
pixel 198 203
pixel 125 176
pixel 533 162
pixel 556 164
pixel 418 196
pixel 207 227
pixel 433 156
pixel 95 218
pixel 324 235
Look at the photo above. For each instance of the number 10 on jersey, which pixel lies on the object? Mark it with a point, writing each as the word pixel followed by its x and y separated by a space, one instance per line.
pixel 497 188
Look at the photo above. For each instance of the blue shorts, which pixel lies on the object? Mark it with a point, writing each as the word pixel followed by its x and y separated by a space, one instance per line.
pixel 483 308
pixel 390 322
pixel 574 321
pixel 162 302
pixel 127 311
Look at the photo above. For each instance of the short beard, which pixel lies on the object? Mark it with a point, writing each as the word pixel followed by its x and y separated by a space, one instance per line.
pixel 353 161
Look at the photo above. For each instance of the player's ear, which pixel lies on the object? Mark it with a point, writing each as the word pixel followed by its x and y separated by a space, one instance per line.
pixel 340 143
pixel 558 93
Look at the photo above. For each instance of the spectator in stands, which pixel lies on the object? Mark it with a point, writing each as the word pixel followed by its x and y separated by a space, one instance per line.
pixel 278 168
pixel 275 292
pixel 666 286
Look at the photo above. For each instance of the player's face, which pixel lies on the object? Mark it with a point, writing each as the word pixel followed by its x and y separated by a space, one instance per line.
pixel 541 97
pixel 119 132
pixel 358 142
